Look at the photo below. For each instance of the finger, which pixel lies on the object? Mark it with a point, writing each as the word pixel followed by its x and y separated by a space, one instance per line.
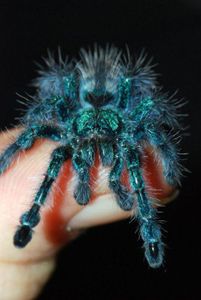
pixel 105 209
pixel 153 175
pixel 24 281
pixel 59 216
pixel 24 271
pixel 20 182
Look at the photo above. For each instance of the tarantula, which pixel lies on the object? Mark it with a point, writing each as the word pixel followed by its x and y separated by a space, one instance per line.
pixel 106 104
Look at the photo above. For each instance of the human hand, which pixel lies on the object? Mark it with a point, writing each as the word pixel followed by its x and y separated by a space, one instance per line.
pixel 23 272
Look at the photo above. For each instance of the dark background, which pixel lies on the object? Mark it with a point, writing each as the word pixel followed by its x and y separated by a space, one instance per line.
pixel 107 262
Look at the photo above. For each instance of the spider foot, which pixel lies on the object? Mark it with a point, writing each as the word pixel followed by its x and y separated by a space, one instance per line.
pixel 82 193
pixel 125 200
pixel 22 236
pixel 154 254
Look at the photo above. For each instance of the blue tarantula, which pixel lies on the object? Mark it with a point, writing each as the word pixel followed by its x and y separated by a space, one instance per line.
pixel 102 103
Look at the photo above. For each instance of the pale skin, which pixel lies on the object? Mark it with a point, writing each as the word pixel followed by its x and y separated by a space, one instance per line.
pixel 23 272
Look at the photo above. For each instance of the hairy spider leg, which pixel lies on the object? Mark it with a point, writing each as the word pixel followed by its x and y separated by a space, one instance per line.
pixel 106 152
pixel 149 228
pixel 168 154
pixel 82 160
pixel 124 198
pixel 31 217
pixel 25 141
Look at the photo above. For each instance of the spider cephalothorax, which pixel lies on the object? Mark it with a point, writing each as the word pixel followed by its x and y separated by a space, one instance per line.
pixel 103 103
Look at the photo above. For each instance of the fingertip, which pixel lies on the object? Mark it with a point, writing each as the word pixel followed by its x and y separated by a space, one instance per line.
pixel 157 185
pixel 103 210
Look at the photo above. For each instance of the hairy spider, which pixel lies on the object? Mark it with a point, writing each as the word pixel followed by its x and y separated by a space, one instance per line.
pixel 103 103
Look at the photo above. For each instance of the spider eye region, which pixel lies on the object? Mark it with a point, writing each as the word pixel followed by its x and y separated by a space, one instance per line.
pixel 98 100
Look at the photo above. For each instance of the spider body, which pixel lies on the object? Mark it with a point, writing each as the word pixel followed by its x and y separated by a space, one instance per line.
pixel 103 104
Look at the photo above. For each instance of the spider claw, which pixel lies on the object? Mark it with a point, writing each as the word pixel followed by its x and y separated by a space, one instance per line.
pixel 154 254
pixel 153 249
pixel 22 236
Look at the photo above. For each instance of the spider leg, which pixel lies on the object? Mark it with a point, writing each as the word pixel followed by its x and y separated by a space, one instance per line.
pixel 106 152
pixel 82 160
pixel 31 217
pixel 124 198
pixel 25 141
pixel 168 154
pixel 146 214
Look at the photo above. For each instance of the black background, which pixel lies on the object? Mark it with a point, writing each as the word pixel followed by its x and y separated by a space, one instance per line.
pixel 107 262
